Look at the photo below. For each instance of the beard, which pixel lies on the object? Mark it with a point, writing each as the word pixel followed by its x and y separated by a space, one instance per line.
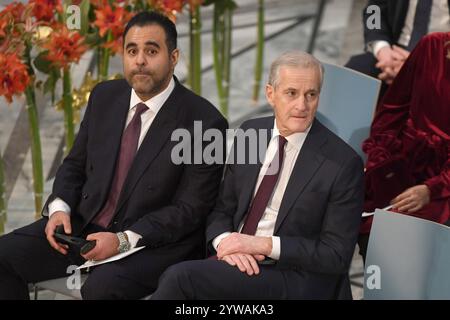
pixel 148 83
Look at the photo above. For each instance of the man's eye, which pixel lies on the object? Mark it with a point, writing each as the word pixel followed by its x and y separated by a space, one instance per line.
pixel 311 96
pixel 152 52
pixel 290 93
pixel 132 52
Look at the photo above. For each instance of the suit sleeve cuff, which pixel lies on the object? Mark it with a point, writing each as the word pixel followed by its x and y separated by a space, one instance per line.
pixel 57 205
pixel 219 238
pixel 133 238
pixel 276 248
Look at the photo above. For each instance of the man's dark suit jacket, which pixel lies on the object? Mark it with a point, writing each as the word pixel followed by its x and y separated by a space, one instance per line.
pixel 319 217
pixel 393 15
pixel 165 203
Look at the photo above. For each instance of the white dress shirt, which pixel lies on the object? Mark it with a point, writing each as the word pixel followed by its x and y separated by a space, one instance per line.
pixel 154 105
pixel 266 225
pixel 439 22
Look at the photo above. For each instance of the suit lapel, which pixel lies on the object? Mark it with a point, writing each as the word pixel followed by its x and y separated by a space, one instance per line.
pixel 251 173
pixel 156 137
pixel 117 110
pixel 308 161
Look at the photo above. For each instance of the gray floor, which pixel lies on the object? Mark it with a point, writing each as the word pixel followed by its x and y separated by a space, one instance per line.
pixel 340 36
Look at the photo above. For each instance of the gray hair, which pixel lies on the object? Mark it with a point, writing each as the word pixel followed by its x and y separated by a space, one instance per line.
pixel 294 59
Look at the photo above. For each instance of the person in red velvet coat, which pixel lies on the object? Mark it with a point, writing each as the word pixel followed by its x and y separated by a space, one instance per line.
pixel 411 133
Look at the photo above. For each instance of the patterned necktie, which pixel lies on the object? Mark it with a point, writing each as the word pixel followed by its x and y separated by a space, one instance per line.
pixel 421 21
pixel 265 190
pixel 128 149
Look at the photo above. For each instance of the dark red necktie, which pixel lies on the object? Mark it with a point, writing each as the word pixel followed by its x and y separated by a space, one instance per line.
pixel 128 149
pixel 265 190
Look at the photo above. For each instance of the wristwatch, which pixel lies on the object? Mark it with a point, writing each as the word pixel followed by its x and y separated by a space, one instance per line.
pixel 124 244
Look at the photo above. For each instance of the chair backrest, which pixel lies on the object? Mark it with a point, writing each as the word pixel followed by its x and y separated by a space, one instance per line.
pixel 347 104
pixel 407 258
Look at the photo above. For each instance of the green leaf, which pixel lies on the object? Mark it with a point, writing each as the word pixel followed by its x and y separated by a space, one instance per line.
pixel 41 63
pixel 50 83
pixel 93 39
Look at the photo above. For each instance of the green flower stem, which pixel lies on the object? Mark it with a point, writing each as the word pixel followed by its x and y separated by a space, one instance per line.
pixel 36 150
pixel 68 110
pixel 195 66
pixel 103 59
pixel 259 52
pixel 222 28
pixel 228 21
pixel 2 198
pixel 217 50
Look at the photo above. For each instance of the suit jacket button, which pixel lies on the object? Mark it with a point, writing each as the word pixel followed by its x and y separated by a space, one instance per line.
pixel 85 195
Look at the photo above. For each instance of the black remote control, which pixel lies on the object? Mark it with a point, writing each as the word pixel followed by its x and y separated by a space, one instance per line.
pixel 84 245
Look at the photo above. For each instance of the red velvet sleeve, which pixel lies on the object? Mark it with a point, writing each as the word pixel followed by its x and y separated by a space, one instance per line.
pixel 440 185
pixel 392 114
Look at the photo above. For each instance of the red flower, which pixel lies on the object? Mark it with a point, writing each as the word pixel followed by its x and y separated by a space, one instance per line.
pixel 16 10
pixel 111 18
pixel 14 76
pixel 3 25
pixel 168 7
pixel 115 45
pixel 45 10
pixel 64 47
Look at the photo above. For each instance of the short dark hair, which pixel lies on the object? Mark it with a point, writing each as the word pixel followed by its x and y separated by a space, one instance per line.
pixel 146 18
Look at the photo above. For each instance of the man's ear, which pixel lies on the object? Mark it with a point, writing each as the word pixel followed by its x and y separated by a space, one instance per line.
pixel 270 92
pixel 174 56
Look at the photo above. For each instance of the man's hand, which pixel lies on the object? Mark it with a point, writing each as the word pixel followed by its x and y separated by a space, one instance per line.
pixel 390 62
pixel 57 218
pixel 386 64
pixel 399 54
pixel 245 262
pixel 412 199
pixel 106 246
pixel 244 244
pixel 385 58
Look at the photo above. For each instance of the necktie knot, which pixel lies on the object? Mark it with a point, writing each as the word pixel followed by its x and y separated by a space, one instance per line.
pixel 140 108
pixel 281 142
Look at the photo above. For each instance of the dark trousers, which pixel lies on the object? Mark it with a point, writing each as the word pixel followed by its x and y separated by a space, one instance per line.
pixel 27 258
pixel 213 279
pixel 365 63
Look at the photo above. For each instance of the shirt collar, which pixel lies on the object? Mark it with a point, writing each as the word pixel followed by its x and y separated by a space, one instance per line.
pixel 155 103
pixel 295 140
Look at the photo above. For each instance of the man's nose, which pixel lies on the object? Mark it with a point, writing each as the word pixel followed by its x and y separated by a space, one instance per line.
pixel 300 103
pixel 140 58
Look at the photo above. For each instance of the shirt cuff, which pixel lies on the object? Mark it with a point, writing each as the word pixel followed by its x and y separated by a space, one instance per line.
pixel 58 205
pixel 220 237
pixel 376 46
pixel 276 248
pixel 133 238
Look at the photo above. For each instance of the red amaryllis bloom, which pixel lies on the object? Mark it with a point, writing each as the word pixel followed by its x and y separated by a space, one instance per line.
pixel 3 25
pixel 168 7
pixel 64 47
pixel 45 10
pixel 14 76
pixel 16 10
pixel 172 5
pixel 111 18
pixel 99 3
pixel 115 45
